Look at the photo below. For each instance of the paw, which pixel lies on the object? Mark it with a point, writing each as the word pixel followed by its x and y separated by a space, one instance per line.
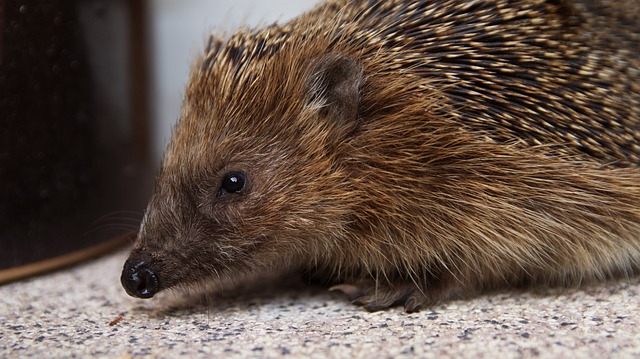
pixel 378 297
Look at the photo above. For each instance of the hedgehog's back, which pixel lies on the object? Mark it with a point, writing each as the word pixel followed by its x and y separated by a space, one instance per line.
pixel 559 74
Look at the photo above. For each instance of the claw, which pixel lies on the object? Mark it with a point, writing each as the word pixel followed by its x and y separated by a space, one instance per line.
pixel 412 305
pixel 374 307
pixel 351 291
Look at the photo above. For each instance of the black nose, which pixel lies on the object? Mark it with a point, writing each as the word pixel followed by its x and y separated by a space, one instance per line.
pixel 139 280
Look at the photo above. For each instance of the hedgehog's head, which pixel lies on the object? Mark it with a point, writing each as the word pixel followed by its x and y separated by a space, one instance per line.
pixel 252 180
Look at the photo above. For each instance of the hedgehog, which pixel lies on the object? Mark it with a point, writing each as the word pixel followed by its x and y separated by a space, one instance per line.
pixel 405 153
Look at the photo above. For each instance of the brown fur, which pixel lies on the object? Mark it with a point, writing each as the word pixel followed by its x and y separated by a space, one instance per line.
pixel 409 151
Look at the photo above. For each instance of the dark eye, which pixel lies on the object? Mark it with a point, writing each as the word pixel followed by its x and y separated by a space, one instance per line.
pixel 233 182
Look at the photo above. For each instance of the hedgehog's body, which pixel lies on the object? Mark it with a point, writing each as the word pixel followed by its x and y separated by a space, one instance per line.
pixel 412 151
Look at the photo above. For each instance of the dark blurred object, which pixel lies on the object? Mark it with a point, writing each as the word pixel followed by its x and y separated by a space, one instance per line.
pixel 73 153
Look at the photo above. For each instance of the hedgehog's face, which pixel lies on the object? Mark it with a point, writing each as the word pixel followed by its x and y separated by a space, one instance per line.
pixel 245 191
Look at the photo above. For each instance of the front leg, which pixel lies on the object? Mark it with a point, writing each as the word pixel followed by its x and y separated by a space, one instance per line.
pixel 374 297
pixel 378 295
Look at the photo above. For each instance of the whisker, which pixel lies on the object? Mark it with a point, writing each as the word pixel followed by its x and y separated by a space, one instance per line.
pixel 117 221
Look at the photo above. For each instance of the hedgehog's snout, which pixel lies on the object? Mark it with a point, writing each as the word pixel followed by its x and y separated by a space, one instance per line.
pixel 139 279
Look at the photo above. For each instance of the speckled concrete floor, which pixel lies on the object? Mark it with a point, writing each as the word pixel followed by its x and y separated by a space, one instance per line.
pixel 74 313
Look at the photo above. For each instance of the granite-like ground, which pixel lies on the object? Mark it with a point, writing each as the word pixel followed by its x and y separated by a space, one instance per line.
pixel 74 313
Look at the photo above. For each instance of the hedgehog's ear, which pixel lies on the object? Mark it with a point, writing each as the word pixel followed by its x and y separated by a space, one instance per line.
pixel 334 82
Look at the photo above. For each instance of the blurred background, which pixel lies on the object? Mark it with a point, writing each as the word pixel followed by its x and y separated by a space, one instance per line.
pixel 89 92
